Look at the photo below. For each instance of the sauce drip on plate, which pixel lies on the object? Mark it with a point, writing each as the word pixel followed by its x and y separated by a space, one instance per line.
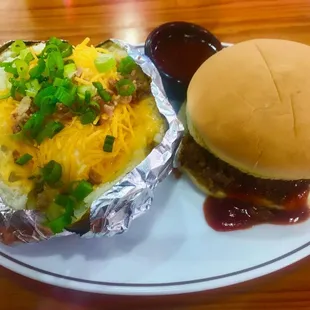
pixel 233 214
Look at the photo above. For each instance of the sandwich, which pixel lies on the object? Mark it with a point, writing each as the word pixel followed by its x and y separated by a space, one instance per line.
pixel 73 121
pixel 248 120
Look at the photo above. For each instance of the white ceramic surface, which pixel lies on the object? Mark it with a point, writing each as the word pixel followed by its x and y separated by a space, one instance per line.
pixel 169 250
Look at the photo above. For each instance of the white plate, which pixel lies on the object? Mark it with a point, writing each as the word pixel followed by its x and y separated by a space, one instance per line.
pixel 169 250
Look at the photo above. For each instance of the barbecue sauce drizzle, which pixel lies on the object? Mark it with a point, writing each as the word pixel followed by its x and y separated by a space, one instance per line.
pixel 232 213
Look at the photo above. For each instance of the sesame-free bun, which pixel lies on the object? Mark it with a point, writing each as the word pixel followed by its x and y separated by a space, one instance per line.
pixel 249 105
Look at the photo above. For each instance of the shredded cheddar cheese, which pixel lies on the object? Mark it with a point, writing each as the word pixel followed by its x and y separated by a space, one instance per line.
pixel 84 57
pixel 79 148
pixel 33 53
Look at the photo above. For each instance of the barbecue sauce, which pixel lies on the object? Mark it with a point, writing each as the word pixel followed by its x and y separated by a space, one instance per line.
pixel 231 213
pixel 180 56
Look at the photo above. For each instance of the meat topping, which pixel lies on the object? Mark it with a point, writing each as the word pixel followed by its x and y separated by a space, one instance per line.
pixel 218 175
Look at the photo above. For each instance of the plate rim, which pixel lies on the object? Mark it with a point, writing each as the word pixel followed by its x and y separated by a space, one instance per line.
pixel 168 288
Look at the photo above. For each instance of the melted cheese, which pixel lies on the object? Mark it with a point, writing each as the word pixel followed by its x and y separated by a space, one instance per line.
pixel 8 169
pixel 79 148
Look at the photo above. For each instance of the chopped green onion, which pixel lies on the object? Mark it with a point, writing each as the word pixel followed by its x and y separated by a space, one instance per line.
pixel 36 71
pixel 24 159
pixel 55 64
pixel 125 87
pixel 49 131
pixel 54 211
pixel 80 99
pixel 60 213
pixel 31 93
pixel 49 48
pixel 82 190
pixel 69 85
pixel 102 92
pixel 18 46
pixel 18 86
pixel 83 88
pixel 95 105
pixel 63 82
pixel 59 217
pixel 64 201
pixel 87 96
pixel 54 40
pixel 126 65
pixel 48 106
pixel 65 49
pixel 51 172
pixel 29 57
pixel 105 62
pixel 8 67
pixel 108 143
pixel 64 96
pixel 13 91
pixel 73 90
pixel 34 124
pixel 69 70
pixel 21 87
pixel 58 82
pixel 58 225
pixel 88 117
pixel 26 55
pixel 22 67
pixel 44 93
pixel 32 88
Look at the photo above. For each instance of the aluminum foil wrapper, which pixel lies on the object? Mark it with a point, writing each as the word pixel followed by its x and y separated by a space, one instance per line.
pixel 113 212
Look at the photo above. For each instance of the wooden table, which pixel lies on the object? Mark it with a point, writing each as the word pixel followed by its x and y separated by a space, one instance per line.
pixel 132 20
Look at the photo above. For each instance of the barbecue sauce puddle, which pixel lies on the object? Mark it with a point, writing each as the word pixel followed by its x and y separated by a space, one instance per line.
pixel 232 213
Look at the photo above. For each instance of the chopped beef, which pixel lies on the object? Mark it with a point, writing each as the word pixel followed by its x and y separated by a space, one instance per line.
pixel 112 85
pixel 63 113
pixel 21 114
pixel 44 199
pixel 4 148
pixel 16 128
pixel 79 71
pixel 142 83
pixel 94 177
pixel 15 155
pixel 218 175
pixel 125 99
pixel 13 177
pixel 108 109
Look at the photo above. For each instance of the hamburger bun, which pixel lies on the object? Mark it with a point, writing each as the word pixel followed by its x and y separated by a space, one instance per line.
pixel 249 105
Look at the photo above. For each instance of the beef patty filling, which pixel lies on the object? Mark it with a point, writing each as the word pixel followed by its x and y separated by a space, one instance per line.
pixel 218 176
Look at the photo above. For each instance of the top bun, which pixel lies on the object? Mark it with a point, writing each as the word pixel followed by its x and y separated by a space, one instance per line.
pixel 249 105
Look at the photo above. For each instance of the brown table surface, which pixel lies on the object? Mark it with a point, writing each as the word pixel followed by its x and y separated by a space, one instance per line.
pixel 132 20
